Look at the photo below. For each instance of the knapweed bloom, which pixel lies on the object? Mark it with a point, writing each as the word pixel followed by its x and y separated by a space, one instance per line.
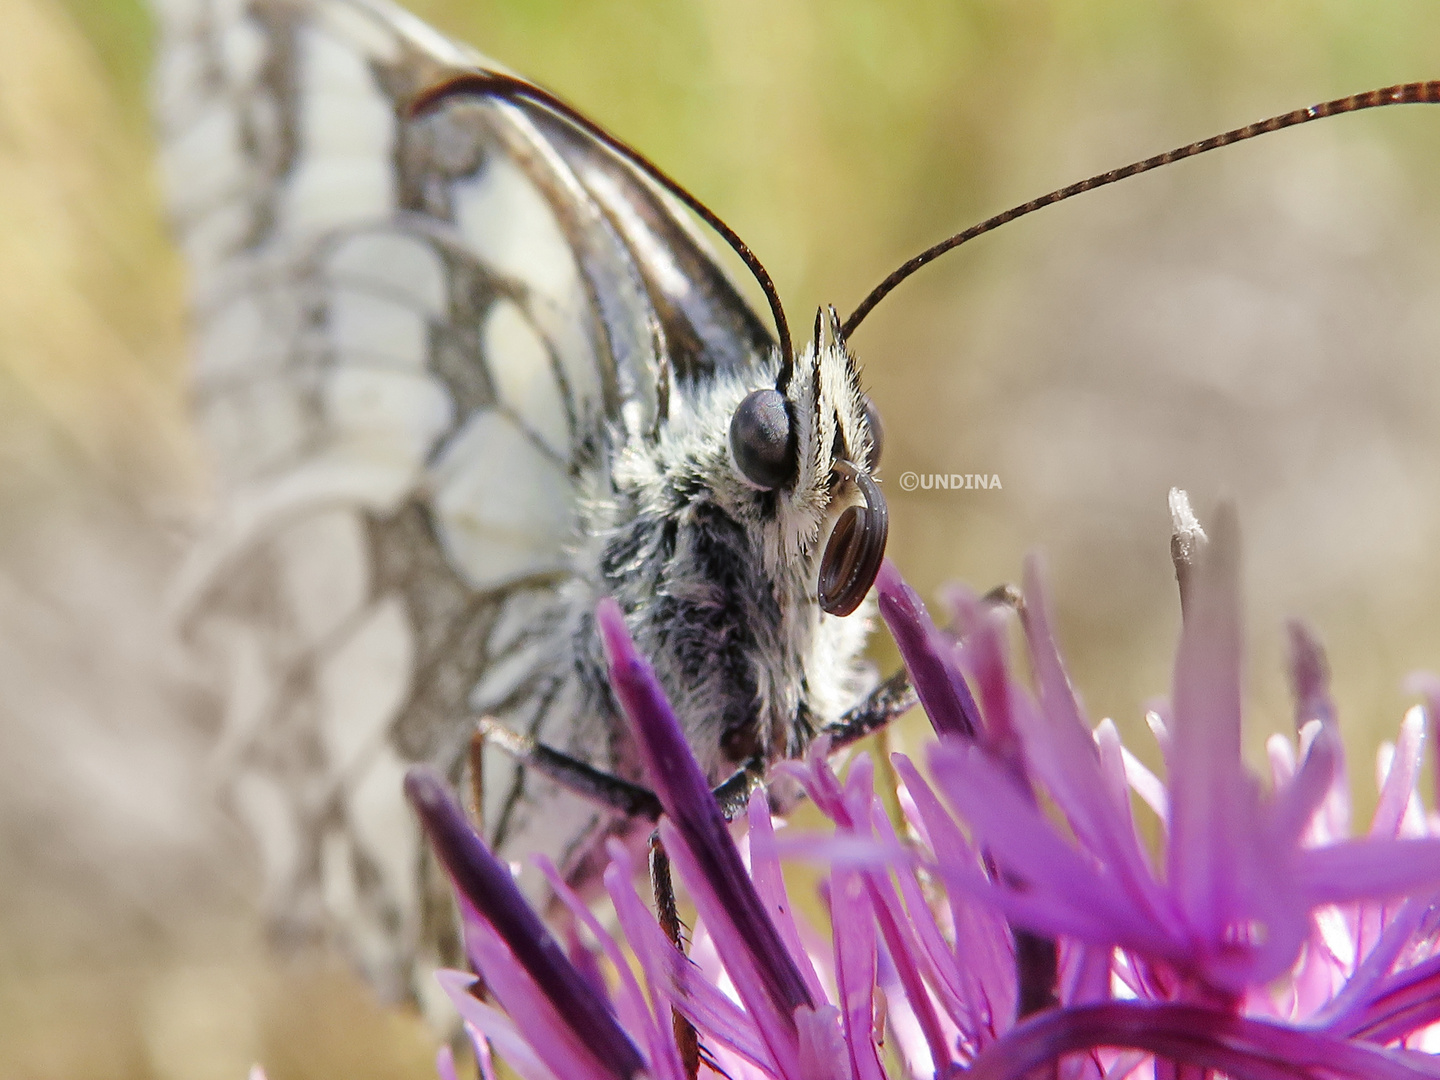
pixel 1015 924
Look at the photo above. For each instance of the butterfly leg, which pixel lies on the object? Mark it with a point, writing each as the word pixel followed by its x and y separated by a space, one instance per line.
pixel 599 787
pixel 887 701
pixel 606 789
pixel 667 913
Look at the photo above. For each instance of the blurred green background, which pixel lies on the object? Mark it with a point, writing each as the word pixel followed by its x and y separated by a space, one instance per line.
pixel 1262 323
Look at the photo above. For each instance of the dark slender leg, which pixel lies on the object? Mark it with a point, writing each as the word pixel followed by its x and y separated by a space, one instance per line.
pixel 887 701
pixel 479 990
pixel 604 789
pixel 476 762
pixel 668 915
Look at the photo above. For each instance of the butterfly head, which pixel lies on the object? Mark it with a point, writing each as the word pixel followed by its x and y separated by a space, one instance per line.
pixel 811 445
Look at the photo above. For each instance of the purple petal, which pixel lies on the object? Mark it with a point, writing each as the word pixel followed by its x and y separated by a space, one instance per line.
pixel 984 656
pixel 632 1006
pixel 1084 973
pixel 486 883
pixel 1211 804
pixel 444 1064
pixel 1367 983
pixel 770 885
pixel 1149 787
pixel 1427 685
pixel 679 980
pixel 983 954
pixel 1056 877
pixel 896 929
pixel 1404 772
pixel 1369 870
pixel 1238 1047
pixel 1062 752
pixel 1402 1004
pixel 747 967
pixel 514 1046
pixel 821 785
pixel 1296 804
pixel 1116 770
pixel 931 953
pixel 941 688
pixel 738 918
pixel 480 1046
pixel 1309 678
pixel 824 1054
pixel 910 961
pixel 853 921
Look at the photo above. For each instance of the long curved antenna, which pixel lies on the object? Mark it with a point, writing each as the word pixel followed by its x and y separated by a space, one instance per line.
pixel 1427 93
pixel 500 85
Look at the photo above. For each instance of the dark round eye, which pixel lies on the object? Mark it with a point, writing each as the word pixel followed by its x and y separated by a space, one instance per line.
pixel 856 547
pixel 761 440
pixel 877 433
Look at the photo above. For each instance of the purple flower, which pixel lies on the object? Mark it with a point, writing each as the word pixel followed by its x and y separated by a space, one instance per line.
pixel 1270 939
pixel 1264 941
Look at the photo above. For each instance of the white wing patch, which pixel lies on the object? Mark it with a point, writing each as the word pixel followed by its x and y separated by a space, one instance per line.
pixel 373 408
pixel 267 808
pixel 361 29
pixel 389 264
pixel 360 686
pixel 247 332
pixel 508 225
pixel 361 324
pixel 519 366
pixel 504 508
pixel 205 162
pixel 321 567
pixel 388 836
pixel 242 53
pixel 347 129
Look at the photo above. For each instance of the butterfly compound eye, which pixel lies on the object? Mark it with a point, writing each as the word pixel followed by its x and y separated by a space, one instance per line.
pixel 856 546
pixel 762 441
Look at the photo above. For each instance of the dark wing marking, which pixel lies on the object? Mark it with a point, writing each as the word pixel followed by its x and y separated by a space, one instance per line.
pixel 410 338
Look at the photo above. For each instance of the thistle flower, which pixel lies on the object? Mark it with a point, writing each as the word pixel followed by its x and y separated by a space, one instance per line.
pixel 1020 923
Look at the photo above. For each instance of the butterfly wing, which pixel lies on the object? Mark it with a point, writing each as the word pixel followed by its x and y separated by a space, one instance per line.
pixel 411 338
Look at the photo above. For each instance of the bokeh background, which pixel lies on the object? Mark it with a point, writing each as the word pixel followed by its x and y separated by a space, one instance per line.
pixel 1261 324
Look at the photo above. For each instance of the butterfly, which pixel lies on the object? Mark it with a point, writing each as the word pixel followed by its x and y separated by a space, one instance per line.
pixel 466 365
pixel 463 371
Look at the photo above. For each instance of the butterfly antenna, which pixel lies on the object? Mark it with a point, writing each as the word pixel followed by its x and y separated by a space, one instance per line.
pixel 497 84
pixel 1427 93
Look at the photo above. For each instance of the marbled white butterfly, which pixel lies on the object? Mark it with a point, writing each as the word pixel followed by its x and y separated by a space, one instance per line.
pixel 466 366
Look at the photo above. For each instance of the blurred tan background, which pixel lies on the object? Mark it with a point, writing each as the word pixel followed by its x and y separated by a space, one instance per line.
pixel 1263 323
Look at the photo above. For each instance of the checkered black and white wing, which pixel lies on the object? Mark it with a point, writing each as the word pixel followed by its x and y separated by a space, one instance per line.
pixel 412 338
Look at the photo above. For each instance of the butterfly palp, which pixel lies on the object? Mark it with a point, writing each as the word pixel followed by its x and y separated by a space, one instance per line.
pixel 856 547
